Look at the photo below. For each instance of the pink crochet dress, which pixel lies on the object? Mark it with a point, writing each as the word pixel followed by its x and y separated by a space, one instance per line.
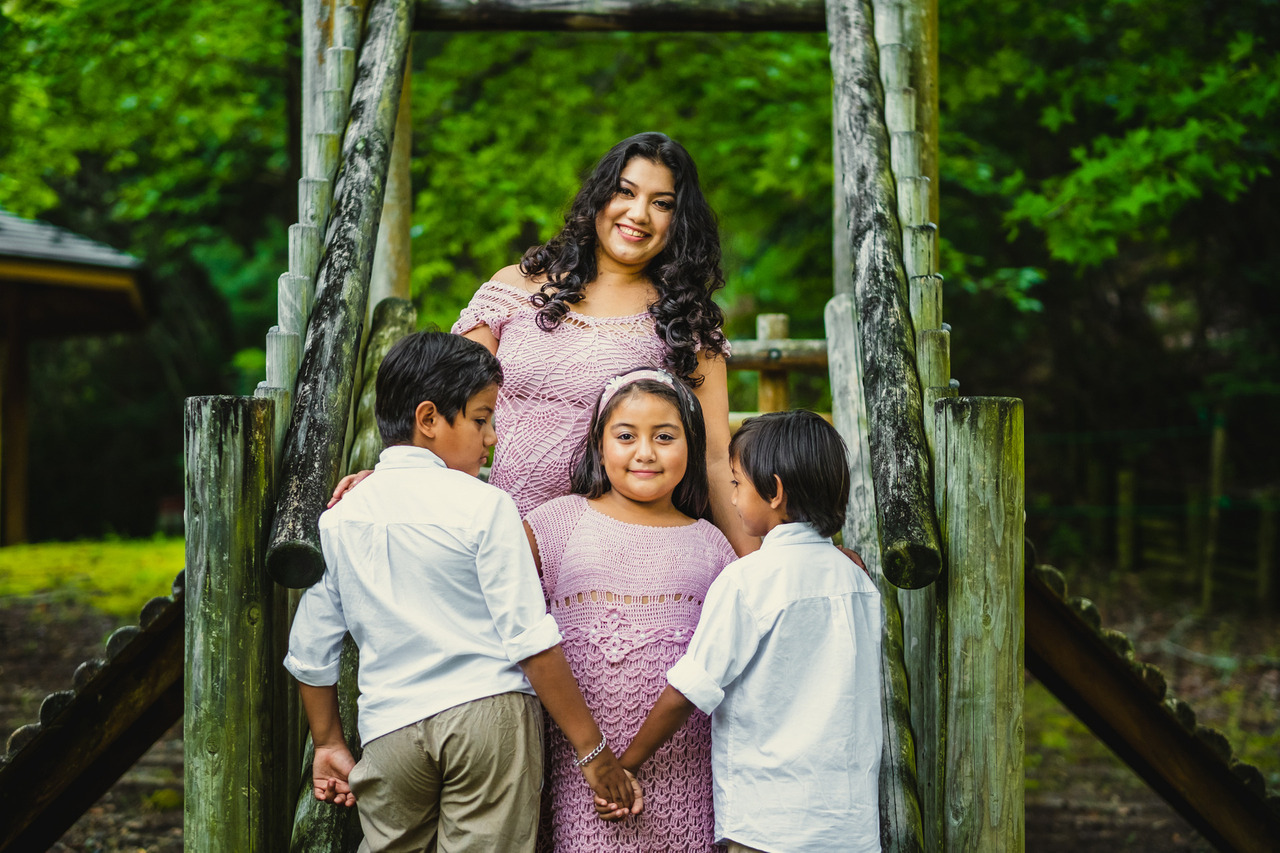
pixel 627 598
pixel 551 381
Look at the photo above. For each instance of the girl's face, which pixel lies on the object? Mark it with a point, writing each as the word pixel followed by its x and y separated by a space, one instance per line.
pixel 645 450
pixel 632 227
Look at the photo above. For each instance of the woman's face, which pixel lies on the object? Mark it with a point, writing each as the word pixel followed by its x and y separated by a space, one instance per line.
pixel 632 227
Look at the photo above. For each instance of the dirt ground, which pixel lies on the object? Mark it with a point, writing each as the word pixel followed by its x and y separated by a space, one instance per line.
pixel 1077 799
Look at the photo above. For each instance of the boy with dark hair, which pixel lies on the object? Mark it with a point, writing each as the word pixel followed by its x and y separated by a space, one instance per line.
pixel 430 571
pixel 785 658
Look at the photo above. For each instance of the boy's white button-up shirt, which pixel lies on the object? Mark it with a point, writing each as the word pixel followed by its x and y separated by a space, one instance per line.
pixel 786 659
pixel 430 571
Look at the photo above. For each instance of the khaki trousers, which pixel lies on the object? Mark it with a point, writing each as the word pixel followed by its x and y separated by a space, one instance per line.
pixel 466 779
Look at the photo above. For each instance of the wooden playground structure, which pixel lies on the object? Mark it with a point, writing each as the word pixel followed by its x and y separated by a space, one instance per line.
pixel 936 508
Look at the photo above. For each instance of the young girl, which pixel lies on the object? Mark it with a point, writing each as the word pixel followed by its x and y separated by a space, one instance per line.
pixel 626 560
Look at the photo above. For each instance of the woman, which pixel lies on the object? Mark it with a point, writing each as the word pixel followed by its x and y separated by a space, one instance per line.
pixel 628 281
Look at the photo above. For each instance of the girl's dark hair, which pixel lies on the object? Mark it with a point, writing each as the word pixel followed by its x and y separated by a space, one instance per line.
pixel 693 495
pixel 446 369
pixel 809 458
pixel 686 272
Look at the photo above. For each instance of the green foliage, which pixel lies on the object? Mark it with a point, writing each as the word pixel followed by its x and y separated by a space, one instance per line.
pixel 500 148
pixel 1146 106
pixel 114 576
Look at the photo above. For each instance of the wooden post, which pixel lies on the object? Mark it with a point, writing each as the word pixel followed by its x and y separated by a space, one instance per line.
pixel 232 718
pixel 392 259
pixel 900 829
pixel 1217 464
pixel 1266 549
pixel 904 492
pixel 14 405
pixel 1125 524
pixel 1195 512
pixel 772 395
pixel 1099 500
pixel 981 463
pixel 322 398
pixel 316 27
pixel 924 630
pixel 392 320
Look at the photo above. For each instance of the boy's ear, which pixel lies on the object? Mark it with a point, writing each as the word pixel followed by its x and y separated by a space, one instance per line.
pixel 426 419
pixel 779 500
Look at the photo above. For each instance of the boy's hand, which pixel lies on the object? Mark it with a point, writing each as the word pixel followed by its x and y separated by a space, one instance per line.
pixel 612 811
pixel 610 782
pixel 345 485
pixel 329 774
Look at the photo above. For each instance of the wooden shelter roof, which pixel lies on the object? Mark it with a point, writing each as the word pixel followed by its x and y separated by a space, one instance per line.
pixel 64 283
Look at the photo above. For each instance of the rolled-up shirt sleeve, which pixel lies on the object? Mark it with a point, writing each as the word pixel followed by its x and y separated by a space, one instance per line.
pixel 315 642
pixel 510 585
pixel 723 644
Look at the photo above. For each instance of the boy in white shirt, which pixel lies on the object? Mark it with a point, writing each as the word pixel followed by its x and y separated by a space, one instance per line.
pixel 430 570
pixel 785 658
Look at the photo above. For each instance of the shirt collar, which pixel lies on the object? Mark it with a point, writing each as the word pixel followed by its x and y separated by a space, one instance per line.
pixel 408 456
pixel 794 533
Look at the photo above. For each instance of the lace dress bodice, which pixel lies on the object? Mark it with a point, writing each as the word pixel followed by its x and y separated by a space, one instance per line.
pixel 627 599
pixel 551 380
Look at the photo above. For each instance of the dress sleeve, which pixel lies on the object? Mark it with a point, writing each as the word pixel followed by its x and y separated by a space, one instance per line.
pixel 552 523
pixel 492 305
pixel 723 644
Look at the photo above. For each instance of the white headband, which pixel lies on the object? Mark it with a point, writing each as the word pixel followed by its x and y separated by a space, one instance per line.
pixel 617 383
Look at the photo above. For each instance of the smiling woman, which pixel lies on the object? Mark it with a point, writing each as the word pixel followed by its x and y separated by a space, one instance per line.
pixel 628 280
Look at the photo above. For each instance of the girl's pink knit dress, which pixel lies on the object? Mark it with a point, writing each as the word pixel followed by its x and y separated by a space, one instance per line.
pixel 551 381
pixel 627 598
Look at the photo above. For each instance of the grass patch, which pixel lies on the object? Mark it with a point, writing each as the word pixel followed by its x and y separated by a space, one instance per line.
pixel 115 577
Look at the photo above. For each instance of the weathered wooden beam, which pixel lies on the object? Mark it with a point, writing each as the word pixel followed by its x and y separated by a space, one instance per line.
pixel 904 493
pixel 900 828
pixel 78 753
pixel 322 398
pixel 1106 694
pixel 233 768
pixel 778 355
pixel 634 15
pixel 980 480
pixel 924 632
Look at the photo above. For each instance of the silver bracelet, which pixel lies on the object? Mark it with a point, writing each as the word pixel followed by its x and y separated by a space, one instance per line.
pixel 590 756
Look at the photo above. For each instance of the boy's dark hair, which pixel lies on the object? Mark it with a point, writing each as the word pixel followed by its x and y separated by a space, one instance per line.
pixel 693 495
pixel 807 455
pixel 446 369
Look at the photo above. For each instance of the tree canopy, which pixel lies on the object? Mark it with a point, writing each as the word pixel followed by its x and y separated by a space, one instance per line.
pixel 1106 184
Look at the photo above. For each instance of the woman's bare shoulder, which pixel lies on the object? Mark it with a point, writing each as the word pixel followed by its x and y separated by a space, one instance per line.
pixel 512 277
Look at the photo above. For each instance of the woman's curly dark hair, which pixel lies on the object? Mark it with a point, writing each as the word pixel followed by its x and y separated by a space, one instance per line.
pixel 685 273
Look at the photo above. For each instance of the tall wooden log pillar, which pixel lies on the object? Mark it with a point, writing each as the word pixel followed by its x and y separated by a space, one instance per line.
pixel 233 720
pixel 981 501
